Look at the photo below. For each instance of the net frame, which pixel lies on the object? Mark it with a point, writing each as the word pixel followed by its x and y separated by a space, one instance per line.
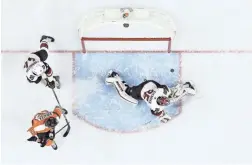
pixel 84 50
pixel 135 15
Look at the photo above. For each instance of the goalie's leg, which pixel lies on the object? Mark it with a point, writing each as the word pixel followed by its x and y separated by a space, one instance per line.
pixel 135 91
pixel 120 85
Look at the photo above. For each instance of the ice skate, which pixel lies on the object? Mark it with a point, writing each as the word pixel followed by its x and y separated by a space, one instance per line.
pixel 32 139
pixel 54 146
pixel 47 39
pixel 112 77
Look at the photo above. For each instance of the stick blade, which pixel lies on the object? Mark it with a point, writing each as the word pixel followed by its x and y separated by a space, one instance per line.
pixel 67 131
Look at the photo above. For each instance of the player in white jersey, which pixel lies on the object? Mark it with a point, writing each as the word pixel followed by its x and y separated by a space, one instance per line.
pixel 37 70
pixel 156 96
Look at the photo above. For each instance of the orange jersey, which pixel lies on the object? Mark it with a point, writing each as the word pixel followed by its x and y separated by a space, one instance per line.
pixel 38 122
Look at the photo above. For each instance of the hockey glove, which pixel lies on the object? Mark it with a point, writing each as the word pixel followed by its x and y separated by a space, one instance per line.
pixel 51 84
pixel 51 134
pixel 64 111
pixel 164 118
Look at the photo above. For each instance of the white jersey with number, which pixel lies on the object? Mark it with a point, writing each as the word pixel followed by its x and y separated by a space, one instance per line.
pixel 149 93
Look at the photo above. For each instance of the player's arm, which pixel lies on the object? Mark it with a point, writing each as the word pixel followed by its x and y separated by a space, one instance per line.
pixel 58 111
pixel 160 85
pixel 163 117
pixel 49 79
pixel 180 90
pixel 34 130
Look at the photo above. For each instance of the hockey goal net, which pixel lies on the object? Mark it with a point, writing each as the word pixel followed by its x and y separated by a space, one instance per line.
pixel 126 30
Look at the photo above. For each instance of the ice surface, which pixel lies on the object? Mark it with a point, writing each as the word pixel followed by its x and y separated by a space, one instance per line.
pixel 101 105
pixel 214 127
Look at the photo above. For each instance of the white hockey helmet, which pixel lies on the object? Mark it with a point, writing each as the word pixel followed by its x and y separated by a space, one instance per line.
pixel 38 69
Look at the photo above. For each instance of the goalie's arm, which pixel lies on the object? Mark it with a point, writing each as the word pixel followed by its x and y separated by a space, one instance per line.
pixel 159 85
pixel 177 93
pixel 163 117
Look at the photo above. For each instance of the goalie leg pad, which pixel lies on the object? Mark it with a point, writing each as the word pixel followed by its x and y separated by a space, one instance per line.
pixel 121 88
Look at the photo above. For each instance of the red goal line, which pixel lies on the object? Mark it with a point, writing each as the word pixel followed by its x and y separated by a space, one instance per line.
pixel 133 51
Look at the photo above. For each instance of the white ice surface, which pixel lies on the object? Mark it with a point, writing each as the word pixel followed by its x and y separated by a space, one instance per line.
pixel 215 126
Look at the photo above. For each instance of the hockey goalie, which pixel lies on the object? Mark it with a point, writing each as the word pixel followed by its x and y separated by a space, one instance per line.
pixel 155 95
pixel 43 127
pixel 37 69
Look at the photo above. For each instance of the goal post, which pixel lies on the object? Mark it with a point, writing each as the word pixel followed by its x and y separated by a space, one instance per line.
pixel 126 30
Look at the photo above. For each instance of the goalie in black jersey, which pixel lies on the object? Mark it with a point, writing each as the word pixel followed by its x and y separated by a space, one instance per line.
pixel 156 96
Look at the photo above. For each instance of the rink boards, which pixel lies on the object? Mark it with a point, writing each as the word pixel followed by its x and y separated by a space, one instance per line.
pixel 100 105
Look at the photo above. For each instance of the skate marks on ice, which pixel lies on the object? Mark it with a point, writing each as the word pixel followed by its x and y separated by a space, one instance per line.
pixel 101 106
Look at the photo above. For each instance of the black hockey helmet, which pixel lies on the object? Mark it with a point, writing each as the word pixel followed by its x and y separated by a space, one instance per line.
pixel 51 122
pixel 163 101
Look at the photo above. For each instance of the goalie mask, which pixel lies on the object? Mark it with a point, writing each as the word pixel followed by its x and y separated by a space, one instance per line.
pixel 51 122
pixel 162 100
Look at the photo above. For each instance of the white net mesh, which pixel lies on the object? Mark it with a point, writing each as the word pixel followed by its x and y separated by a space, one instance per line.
pixel 148 24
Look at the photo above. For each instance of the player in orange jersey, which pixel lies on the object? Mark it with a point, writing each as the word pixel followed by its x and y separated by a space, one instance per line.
pixel 43 127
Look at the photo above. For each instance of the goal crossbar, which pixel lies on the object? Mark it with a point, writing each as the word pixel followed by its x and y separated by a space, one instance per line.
pixel 124 39
pixel 84 50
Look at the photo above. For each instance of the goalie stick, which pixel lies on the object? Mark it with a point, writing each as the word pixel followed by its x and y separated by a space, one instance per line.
pixel 68 125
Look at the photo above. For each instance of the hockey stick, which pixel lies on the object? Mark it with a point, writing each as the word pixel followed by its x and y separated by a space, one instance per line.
pixel 68 125
pixel 61 129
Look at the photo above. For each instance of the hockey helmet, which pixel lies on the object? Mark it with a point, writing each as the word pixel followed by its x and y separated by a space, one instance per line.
pixel 51 122
pixel 163 101
pixel 38 69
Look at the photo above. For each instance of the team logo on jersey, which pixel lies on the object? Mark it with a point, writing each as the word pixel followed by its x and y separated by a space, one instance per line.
pixel 148 96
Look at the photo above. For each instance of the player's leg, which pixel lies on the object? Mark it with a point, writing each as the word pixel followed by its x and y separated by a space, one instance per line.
pixel 54 145
pixel 43 52
pixel 135 91
pixel 120 85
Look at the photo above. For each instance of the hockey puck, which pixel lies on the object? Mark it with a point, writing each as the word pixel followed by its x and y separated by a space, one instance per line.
pixel 172 70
